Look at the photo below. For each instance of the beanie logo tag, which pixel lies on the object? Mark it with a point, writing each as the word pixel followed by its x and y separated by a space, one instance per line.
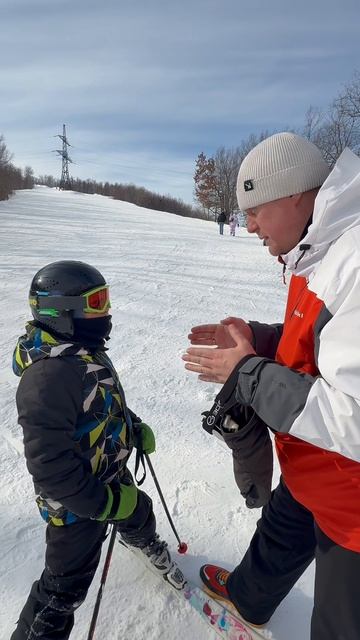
pixel 248 185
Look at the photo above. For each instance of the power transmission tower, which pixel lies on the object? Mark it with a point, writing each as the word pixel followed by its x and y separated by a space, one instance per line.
pixel 65 182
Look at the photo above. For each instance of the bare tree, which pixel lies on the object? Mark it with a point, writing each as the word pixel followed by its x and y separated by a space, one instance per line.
pixel 226 170
pixel 249 143
pixel 6 171
pixel 28 179
pixel 5 155
pixel 12 178
pixel 337 127
pixel 47 180
pixel 313 121
pixel 215 178
pixel 350 99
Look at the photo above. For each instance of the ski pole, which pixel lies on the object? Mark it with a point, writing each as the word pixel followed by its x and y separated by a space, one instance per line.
pixel 102 583
pixel 182 548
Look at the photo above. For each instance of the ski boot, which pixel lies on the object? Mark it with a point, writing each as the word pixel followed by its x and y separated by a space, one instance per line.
pixel 215 579
pixel 158 559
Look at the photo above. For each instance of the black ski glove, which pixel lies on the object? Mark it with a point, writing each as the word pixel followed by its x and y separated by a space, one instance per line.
pixel 252 453
pixel 250 443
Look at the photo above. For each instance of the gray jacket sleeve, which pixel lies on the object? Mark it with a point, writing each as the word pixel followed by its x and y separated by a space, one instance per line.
pixel 275 392
pixel 266 337
pixel 49 401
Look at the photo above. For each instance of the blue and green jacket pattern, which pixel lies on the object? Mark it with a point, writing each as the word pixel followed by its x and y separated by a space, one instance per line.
pixel 76 425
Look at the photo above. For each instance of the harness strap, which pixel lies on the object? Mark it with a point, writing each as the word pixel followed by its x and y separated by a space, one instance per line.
pixel 140 456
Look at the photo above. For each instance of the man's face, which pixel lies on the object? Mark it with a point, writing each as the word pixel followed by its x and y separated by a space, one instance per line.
pixel 279 223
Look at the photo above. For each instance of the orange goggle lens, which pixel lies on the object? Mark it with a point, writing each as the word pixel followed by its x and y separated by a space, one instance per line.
pixel 97 300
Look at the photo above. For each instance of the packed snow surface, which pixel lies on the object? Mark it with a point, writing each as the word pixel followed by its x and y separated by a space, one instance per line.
pixel 166 274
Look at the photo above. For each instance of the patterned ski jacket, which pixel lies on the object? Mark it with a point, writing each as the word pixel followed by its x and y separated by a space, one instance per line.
pixel 313 402
pixel 76 426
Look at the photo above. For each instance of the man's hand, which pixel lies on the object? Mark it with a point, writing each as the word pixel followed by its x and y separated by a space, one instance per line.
pixel 218 334
pixel 215 365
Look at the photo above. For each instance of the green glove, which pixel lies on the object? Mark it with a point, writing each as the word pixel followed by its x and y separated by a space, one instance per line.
pixel 146 436
pixel 121 503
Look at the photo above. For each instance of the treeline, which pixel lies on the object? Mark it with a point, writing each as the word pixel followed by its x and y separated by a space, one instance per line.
pixel 332 129
pixel 137 195
pixel 129 193
pixel 11 177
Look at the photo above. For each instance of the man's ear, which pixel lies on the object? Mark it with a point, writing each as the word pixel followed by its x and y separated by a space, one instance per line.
pixel 304 202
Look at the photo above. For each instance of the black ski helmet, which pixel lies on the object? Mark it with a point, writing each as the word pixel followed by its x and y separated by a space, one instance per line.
pixel 55 293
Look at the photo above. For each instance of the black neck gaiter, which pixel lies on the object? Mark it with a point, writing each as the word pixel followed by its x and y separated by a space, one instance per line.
pixel 92 332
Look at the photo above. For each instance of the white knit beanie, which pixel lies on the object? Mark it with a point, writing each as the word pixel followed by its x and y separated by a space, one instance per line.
pixel 280 166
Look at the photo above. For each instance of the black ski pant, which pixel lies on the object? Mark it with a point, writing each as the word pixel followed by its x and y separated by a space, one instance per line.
pixel 286 541
pixel 72 556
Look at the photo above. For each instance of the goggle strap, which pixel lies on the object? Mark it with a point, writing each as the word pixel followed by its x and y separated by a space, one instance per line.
pixel 61 303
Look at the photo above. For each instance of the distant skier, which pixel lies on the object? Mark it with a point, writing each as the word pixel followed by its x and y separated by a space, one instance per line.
pixel 233 223
pixel 221 221
pixel 78 436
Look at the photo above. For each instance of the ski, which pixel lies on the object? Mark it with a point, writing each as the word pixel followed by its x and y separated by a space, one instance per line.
pixel 221 619
pixel 225 623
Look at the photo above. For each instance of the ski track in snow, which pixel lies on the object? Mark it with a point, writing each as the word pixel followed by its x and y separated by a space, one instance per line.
pixel 167 273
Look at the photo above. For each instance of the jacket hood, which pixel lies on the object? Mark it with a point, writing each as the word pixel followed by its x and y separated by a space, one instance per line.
pixel 38 344
pixel 336 210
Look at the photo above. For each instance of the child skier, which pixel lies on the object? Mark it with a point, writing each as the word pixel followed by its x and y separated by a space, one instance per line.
pixel 233 224
pixel 78 436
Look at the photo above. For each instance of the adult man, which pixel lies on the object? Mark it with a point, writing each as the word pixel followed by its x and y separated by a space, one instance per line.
pixel 78 437
pixel 303 379
pixel 221 221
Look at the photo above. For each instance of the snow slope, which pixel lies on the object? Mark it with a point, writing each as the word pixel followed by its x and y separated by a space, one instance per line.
pixel 167 274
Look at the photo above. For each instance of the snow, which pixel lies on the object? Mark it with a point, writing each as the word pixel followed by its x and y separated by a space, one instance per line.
pixel 167 274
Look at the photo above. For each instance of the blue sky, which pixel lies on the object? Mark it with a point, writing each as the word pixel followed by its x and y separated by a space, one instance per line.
pixel 145 85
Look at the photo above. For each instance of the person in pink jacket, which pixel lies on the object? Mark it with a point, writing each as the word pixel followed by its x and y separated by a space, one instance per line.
pixel 232 224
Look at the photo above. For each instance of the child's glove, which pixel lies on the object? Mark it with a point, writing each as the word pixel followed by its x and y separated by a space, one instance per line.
pixel 121 503
pixel 144 437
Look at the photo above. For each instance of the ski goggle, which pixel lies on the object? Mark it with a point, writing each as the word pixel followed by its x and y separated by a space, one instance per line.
pixel 97 300
pixel 94 301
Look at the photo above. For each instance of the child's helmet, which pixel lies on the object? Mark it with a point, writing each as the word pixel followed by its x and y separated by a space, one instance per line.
pixel 56 294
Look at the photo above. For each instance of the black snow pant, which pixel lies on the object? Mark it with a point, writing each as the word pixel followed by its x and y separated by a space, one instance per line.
pixel 286 541
pixel 72 556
